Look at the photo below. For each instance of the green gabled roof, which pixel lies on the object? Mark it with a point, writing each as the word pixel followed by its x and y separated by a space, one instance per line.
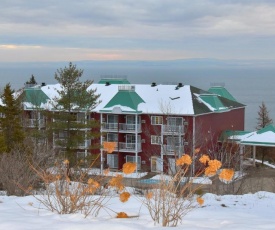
pixel 127 98
pixel 34 96
pixel 198 106
pixel 234 134
pixel 266 129
pixel 219 90
pixel 204 100
pixel 214 101
pixel 114 81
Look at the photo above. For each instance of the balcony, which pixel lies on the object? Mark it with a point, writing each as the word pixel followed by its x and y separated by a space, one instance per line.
pixel 60 143
pixel 129 147
pixel 35 123
pixel 84 145
pixel 109 127
pixel 172 149
pixel 129 128
pixel 172 129
pixel 122 127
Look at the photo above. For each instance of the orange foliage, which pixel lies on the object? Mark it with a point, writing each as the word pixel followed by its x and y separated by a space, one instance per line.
pixel 117 182
pixel 204 159
pixel 226 174
pixel 122 215
pixel 185 159
pixel 197 150
pixel 213 167
pixel 109 147
pixel 106 172
pixel 129 167
pixel 200 201
pixel 124 196
pixel 149 195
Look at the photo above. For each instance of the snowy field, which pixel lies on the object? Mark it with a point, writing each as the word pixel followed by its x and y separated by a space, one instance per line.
pixel 250 211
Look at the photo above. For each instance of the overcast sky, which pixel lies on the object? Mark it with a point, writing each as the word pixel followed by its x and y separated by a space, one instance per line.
pixel 70 30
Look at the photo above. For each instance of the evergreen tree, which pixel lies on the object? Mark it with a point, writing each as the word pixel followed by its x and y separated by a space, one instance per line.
pixel 32 81
pixel 72 111
pixel 263 117
pixel 10 121
pixel 263 120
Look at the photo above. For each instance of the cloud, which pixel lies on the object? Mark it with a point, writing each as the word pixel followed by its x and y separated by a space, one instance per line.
pixel 187 26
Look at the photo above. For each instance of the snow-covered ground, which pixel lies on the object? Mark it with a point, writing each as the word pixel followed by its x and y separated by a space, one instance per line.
pixel 250 211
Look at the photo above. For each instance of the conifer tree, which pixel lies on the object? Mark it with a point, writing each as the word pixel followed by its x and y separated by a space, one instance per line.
pixel 74 99
pixel 10 121
pixel 263 120
pixel 263 117
pixel 32 80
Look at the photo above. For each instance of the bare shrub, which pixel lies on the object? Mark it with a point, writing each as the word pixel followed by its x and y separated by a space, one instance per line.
pixel 173 197
pixel 15 173
pixel 62 195
pixel 169 202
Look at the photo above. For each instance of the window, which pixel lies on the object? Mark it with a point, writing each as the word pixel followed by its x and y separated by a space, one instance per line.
pixel 131 119
pixel 174 121
pixel 63 134
pixel 80 155
pixel 155 140
pixel 156 120
pixel 112 119
pixel 133 159
pixel 174 141
pixel 130 138
pixel 112 137
pixel 81 117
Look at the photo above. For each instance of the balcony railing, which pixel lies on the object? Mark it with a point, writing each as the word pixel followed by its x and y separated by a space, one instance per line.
pixel 109 126
pixel 60 141
pixel 173 129
pixel 84 145
pixel 129 147
pixel 32 123
pixel 172 149
pixel 129 128
pixel 122 127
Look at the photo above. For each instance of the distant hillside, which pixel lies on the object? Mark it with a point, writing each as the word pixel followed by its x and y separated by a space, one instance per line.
pixel 182 63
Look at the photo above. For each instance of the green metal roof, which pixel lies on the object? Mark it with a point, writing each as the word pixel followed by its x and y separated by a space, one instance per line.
pixel 113 81
pixel 266 129
pixel 219 90
pixel 263 137
pixel 127 98
pixel 35 96
pixel 214 101
pixel 234 134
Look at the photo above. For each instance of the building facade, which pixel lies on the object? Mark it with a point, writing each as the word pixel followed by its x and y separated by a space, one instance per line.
pixel 150 124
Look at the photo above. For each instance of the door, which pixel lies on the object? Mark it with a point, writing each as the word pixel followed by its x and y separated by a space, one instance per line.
pixel 133 159
pixel 112 160
pixel 156 164
pixel 171 166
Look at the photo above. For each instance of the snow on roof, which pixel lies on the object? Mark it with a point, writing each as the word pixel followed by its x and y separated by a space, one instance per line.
pixel 158 99
pixel 263 137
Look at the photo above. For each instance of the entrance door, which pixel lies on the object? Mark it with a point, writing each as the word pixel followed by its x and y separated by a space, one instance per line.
pixel 133 159
pixel 112 160
pixel 171 166
pixel 156 164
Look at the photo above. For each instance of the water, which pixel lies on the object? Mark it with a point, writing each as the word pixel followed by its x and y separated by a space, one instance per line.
pixel 249 86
